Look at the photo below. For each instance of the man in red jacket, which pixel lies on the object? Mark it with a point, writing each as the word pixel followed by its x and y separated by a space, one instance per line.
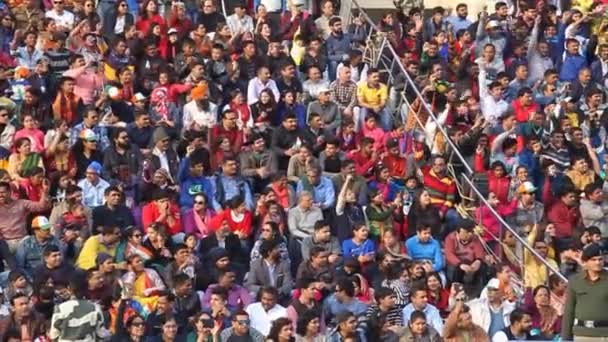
pixel 565 216
pixel 464 254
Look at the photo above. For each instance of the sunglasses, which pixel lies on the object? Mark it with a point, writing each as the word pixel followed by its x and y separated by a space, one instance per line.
pixel 137 324
pixel 199 202
pixel 137 235
pixel 243 321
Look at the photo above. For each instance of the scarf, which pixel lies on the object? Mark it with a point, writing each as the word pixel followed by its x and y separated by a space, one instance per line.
pixel 282 195
pixel 200 223
pixel 548 315
pixel 158 99
pixel 65 107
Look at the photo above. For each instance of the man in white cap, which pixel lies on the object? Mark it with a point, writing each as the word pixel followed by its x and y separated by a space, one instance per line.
pixel 327 109
pixel 529 210
pixel 491 313
pixel 489 32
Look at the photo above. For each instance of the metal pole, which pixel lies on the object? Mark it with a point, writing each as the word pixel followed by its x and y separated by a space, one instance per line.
pixel 515 234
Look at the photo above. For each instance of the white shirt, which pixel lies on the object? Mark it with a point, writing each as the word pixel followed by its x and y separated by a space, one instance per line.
pixel 119 27
pixel 203 118
pixel 65 19
pixel 239 25
pixel 272 5
pixel 261 320
pixel 92 194
pixel 255 87
pixel 162 157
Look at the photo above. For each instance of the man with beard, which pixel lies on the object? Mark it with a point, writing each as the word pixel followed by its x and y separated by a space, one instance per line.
pixel 113 212
pixel 200 113
pixel 229 130
pixel 286 140
pixel 338 44
pixel 264 312
pixel 259 164
pixel 270 270
pixel 121 152
pixel 151 63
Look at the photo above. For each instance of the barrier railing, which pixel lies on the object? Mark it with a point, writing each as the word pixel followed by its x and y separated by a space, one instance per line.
pixel 387 59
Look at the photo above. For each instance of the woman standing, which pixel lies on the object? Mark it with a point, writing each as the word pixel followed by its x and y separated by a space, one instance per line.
pixel 118 19
pixel 150 15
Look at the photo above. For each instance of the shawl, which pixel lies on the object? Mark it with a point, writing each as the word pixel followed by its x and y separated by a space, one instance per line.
pixel 158 98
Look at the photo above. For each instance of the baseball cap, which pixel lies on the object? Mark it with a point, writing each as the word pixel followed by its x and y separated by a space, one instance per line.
pixel 138 97
pixel 42 223
pixel 95 167
pixel 526 188
pixel 88 135
pixel 492 24
pixel 172 31
pixel 298 3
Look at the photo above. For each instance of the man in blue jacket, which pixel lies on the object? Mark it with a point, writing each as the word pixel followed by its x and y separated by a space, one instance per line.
pixel 572 62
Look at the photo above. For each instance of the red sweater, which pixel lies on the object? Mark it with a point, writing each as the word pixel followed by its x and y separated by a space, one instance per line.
pixel 363 164
pixel 523 113
pixel 150 213
pixel 244 225
pixel 441 190
pixel 456 252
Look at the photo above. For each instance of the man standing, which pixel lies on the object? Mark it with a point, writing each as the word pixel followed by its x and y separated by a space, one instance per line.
pixel 77 319
pixel 12 212
pixel 338 44
pixel 585 310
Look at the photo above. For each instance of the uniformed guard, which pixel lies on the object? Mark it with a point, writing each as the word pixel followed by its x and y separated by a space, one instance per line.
pixel 585 315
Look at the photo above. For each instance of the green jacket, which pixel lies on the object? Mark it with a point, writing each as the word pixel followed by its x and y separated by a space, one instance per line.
pixel 585 301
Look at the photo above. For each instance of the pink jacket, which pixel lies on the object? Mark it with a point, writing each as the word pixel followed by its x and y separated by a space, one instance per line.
pixel 489 221
pixel 87 83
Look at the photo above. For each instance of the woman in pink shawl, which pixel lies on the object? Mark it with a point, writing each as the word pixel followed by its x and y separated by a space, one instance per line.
pixel 196 220
pixel 162 111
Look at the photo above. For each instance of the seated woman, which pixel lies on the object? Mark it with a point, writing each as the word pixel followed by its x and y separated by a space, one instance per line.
pixel 23 159
pixel 546 322
pixel 360 247
pixel 380 214
pixel 145 283
pixel 270 231
pixel 438 295
pixel 196 220
pixel 31 131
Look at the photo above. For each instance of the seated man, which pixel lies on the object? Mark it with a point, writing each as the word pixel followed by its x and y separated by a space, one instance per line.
pixel 105 242
pixel 464 254
pixel 423 246
pixel 270 270
pixel 420 302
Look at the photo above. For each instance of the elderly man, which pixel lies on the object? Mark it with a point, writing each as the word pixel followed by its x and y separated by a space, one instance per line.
pixel 93 186
pixel 321 187
pixel 344 93
pixel 302 218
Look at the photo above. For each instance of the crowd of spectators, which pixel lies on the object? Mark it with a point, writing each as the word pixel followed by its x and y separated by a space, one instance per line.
pixel 241 171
